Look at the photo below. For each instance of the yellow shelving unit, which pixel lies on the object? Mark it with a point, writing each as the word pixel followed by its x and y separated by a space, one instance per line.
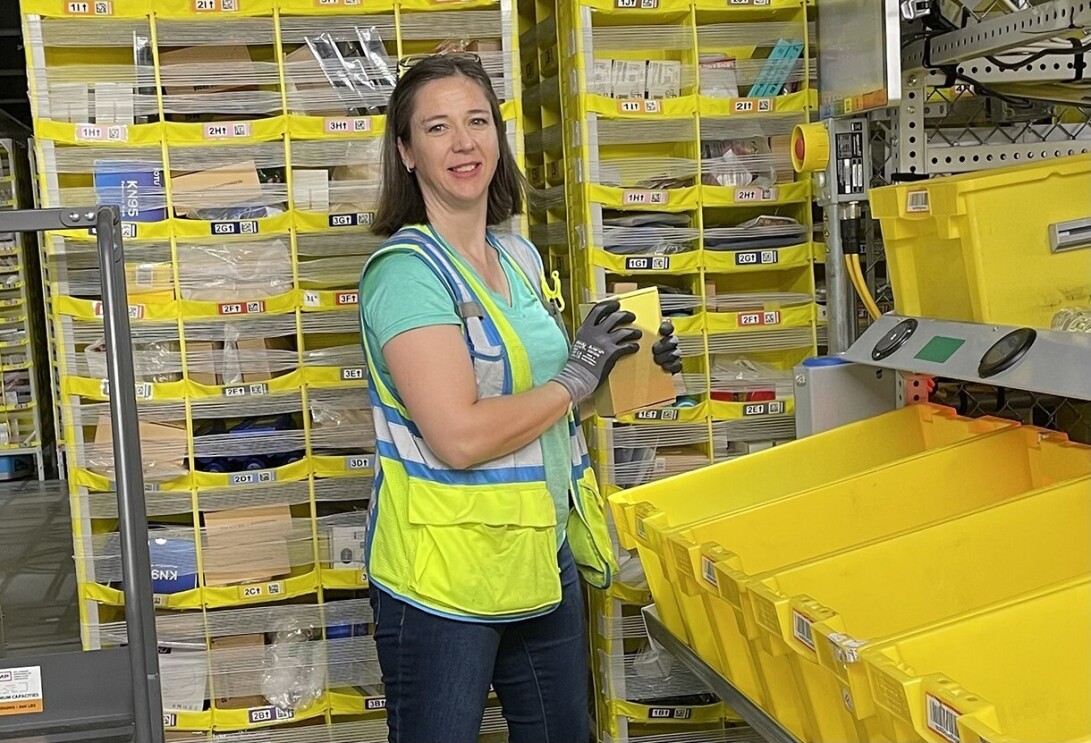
pixel 658 140
pixel 22 445
pixel 240 138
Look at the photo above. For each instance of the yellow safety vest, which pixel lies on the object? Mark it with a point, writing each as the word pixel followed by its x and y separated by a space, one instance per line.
pixel 477 543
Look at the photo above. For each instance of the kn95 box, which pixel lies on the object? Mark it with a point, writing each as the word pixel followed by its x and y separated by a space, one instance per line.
pixel 637 381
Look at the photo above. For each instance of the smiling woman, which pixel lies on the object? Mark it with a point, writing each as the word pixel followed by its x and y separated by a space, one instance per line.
pixel 486 510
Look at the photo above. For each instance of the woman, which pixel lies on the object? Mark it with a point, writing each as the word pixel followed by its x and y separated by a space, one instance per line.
pixel 485 505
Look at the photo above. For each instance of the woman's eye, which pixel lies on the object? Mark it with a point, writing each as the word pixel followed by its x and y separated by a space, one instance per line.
pixel 480 121
pixel 435 128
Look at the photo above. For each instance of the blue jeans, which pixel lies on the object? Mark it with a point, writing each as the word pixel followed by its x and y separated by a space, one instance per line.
pixel 437 671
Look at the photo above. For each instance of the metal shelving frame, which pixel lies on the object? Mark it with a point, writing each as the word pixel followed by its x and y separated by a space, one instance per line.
pixel 76 706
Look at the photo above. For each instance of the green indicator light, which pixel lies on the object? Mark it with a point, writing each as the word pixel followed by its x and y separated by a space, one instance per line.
pixel 940 349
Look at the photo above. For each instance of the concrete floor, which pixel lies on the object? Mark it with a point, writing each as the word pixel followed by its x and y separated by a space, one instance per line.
pixel 37 576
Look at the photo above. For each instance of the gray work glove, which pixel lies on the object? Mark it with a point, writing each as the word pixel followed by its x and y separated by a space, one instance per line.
pixel 666 351
pixel 600 342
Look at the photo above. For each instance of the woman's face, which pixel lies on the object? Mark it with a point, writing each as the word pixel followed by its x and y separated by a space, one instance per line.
pixel 452 144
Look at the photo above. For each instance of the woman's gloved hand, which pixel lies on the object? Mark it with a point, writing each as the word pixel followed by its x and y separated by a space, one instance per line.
pixel 602 339
pixel 666 351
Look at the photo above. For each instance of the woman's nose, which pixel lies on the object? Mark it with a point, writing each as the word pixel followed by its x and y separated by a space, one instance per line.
pixel 463 140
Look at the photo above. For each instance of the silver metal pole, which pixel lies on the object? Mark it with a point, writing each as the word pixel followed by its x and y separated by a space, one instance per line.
pixel 840 304
pixel 136 561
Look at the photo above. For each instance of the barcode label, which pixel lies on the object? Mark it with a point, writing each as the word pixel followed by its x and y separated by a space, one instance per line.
pixel 645 197
pixel 211 6
pixel 744 195
pixel 636 4
pixel 170 719
pixel 670 713
pixel 228 131
pixel 753 105
pixel 750 319
pixel 763 408
pixel 373 704
pixel 657 414
pixel 253 478
pixel 343 125
pixel 708 570
pixel 93 133
pixel 757 258
pixel 942 719
pixel 917 202
pixel 242 308
pixel 648 263
pixel 639 106
pixel 101 7
pixel 360 219
pixel 269 714
pixel 136 311
pixel 801 629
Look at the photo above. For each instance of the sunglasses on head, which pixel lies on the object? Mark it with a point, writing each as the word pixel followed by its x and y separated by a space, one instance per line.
pixel 406 63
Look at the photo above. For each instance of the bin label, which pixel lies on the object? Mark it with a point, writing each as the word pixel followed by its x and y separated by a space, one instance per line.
pixel 670 713
pixel 917 202
pixel 21 690
pixel 801 629
pixel 708 570
pixel 942 719
pixel 373 704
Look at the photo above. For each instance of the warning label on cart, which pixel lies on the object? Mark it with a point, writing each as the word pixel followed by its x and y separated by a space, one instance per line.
pixel 20 690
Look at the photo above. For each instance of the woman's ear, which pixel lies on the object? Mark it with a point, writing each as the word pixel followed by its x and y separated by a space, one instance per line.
pixel 407 159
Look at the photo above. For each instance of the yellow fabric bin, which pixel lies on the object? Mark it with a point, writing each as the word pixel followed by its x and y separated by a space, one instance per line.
pixel 1017 672
pixel 713 560
pixel 1008 245
pixel 821 614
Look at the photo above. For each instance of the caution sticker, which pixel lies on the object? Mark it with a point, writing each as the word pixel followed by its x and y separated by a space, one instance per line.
pixel 20 690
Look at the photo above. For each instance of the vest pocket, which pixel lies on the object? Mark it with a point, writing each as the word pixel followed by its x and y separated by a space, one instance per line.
pixel 485 551
pixel 590 538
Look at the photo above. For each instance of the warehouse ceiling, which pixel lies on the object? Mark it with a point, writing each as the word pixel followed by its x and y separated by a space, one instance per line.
pixel 13 83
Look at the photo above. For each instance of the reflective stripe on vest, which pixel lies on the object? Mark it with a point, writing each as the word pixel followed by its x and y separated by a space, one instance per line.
pixel 475 543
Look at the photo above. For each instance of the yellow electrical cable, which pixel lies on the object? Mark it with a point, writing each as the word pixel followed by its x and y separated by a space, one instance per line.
pixel 856 275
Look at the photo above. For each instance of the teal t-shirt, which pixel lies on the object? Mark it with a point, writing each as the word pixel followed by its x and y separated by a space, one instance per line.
pixel 401 293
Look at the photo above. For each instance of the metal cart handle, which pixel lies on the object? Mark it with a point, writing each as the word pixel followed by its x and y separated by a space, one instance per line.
pixel 142 649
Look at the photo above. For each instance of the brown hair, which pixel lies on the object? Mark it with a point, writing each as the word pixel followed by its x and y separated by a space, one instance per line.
pixel 400 199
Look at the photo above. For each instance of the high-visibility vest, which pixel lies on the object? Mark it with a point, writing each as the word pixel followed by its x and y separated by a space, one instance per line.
pixel 476 543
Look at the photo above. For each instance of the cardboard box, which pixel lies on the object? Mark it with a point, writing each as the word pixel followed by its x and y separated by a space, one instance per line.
pixel 233 59
pixel 215 188
pixel 623 287
pixel 163 449
pixel 485 45
pixel 211 357
pixel 637 381
pixel 347 547
pixel 231 687
pixel 247 545
pixel 674 460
